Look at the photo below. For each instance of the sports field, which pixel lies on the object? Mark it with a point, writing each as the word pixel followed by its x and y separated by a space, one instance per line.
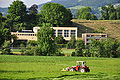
pixel 49 68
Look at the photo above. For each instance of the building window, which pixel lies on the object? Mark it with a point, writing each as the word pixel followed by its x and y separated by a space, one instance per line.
pixel 87 39
pixel 54 32
pixel 73 32
pixel 66 33
pixel 103 35
pixel 88 35
pixel 92 35
pixel 59 32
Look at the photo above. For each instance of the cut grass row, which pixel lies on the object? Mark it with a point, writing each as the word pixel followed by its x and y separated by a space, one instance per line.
pixel 49 68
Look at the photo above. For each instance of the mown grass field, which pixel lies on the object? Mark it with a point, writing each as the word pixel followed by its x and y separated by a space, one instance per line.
pixel 49 68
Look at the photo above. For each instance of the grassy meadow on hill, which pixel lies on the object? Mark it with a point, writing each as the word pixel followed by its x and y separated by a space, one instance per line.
pixel 49 68
pixel 111 27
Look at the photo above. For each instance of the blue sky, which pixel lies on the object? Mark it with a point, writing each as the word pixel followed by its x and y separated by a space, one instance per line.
pixel 28 3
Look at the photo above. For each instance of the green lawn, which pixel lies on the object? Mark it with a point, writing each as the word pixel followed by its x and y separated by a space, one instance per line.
pixel 15 50
pixel 67 51
pixel 49 68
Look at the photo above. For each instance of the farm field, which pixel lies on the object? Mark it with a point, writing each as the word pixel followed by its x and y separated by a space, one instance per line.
pixel 49 68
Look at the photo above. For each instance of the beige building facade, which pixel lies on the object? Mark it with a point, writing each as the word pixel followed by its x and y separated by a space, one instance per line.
pixel 25 36
pixel 66 32
pixel 88 36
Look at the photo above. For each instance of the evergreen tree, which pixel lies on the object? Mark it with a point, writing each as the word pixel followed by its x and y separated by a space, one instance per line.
pixel 32 17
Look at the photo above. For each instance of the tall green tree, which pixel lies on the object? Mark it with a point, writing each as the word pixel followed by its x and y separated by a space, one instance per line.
pixel 110 12
pixel 18 9
pixel 0 20
pixel 46 44
pixel 33 9
pixel 5 35
pixel 17 15
pixel 32 16
pixel 56 14
pixel 86 13
pixel 118 13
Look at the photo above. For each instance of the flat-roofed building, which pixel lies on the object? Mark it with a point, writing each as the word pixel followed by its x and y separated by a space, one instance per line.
pixel 25 36
pixel 97 36
pixel 66 32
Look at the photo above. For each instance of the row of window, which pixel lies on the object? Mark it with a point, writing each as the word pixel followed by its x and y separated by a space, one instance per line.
pixel 96 35
pixel 25 34
pixel 66 33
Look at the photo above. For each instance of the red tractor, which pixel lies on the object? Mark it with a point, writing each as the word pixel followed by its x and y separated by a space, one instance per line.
pixel 81 67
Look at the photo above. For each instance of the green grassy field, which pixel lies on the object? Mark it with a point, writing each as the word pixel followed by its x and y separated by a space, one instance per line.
pixel 49 68
pixel 67 52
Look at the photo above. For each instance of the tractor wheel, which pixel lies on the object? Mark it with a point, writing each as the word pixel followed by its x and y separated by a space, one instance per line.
pixel 82 70
pixel 71 69
pixel 88 70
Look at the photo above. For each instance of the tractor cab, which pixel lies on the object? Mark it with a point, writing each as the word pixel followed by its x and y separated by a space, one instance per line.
pixel 80 63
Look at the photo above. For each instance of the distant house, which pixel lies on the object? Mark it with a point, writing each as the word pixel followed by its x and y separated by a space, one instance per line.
pixel 97 36
pixel 66 32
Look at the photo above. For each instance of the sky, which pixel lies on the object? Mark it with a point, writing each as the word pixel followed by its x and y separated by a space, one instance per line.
pixel 28 3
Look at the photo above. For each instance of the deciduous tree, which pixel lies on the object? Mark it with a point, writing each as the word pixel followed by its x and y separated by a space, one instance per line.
pixel 56 14
pixel 46 44
pixel 110 12
pixel 17 16
pixel 86 13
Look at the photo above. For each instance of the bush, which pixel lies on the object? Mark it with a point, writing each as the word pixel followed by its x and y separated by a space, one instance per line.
pixel 6 48
pixel 72 43
pixel 61 45
pixel 73 54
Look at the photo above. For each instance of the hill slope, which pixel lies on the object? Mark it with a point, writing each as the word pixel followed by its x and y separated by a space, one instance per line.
pixel 93 3
pixel 111 27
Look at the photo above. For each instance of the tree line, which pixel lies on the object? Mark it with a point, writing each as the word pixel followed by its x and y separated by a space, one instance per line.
pixel 108 12
pixel 97 48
